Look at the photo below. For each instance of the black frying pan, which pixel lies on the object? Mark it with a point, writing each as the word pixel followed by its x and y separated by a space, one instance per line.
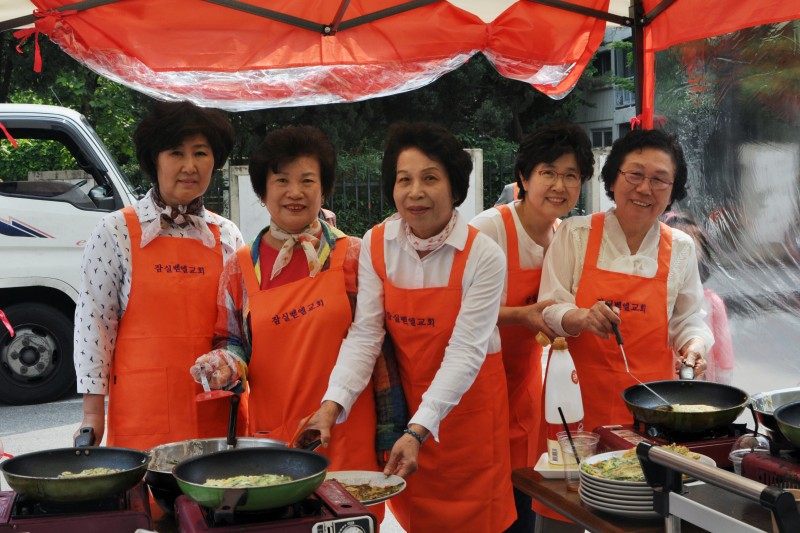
pixel 788 418
pixel 729 401
pixel 36 474
pixel 307 470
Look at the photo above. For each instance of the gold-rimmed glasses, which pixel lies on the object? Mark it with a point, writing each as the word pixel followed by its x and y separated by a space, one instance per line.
pixel 571 179
pixel 635 178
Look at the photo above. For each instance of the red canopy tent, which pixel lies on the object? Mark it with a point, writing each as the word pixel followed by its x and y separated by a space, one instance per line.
pixel 269 53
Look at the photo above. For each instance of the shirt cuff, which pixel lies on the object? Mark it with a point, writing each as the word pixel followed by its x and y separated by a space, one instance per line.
pixel 427 419
pixel 100 386
pixel 343 397
pixel 553 316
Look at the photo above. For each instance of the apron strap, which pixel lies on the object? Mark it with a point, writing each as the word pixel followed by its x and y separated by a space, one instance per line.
pixel 664 251
pixel 134 228
pixel 377 251
pixel 512 242
pixel 460 260
pixel 248 270
pixel 595 239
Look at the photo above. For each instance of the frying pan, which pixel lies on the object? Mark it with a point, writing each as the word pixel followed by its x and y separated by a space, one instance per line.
pixel 307 470
pixel 788 419
pixel 163 459
pixel 36 474
pixel 729 401
pixel 764 405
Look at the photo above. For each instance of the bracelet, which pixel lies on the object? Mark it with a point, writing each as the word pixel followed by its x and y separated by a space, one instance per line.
pixel 414 434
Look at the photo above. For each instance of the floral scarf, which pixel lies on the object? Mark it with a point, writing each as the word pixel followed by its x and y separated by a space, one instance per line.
pixel 188 217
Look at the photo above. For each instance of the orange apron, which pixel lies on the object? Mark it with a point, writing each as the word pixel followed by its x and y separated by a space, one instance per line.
pixel 522 355
pixel 169 322
pixel 644 328
pixel 464 481
pixel 300 327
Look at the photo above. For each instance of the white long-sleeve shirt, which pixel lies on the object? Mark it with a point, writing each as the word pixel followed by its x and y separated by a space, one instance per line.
pixel 475 333
pixel 563 267
pixel 531 254
pixel 102 303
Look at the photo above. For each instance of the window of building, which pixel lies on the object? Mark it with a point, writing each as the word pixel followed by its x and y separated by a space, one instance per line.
pixel 602 64
pixel 602 137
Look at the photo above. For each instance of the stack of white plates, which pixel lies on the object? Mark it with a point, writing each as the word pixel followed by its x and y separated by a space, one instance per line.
pixel 633 499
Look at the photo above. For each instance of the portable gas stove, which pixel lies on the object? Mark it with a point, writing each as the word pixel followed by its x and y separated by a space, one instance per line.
pixel 715 443
pixel 121 513
pixel 331 509
pixel 780 466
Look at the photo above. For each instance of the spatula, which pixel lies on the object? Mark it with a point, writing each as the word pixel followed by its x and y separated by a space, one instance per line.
pixel 667 405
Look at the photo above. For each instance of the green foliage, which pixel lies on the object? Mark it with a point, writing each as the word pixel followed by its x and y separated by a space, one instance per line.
pixel 33 155
pixel 484 109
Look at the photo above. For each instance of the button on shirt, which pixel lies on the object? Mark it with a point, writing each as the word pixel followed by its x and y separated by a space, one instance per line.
pixel 475 333
pixel 563 266
pixel 106 286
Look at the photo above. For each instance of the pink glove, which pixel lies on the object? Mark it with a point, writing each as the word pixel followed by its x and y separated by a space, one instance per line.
pixel 219 367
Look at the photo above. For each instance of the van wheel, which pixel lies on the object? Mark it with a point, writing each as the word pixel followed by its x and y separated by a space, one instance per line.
pixel 36 363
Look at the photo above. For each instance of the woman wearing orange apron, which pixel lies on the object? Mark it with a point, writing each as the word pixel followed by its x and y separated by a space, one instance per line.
pixel 434 284
pixel 645 270
pixel 551 165
pixel 150 278
pixel 287 302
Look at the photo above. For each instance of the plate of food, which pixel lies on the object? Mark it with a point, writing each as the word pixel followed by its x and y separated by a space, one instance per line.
pixel 369 487
pixel 622 468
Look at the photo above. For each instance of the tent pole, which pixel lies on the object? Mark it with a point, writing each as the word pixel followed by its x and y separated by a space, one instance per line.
pixel 637 14
pixel 30 19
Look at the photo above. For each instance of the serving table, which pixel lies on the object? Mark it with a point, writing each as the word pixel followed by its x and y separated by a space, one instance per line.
pixel 554 494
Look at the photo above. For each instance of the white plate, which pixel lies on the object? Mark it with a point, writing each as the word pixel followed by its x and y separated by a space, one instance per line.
pixel 619 453
pixel 549 471
pixel 376 479
pixel 615 496
pixel 615 504
pixel 621 512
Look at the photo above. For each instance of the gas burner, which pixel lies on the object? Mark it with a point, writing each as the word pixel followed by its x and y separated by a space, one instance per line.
pixel 330 509
pixel 730 430
pixel 769 469
pixel 123 513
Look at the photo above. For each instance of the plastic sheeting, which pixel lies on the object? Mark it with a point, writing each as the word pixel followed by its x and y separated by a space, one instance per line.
pixel 734 101
pixel 220 56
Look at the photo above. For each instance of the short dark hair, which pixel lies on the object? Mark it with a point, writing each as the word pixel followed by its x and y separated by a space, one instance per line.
pixel 548 143
pixel 434 141
pixel 283 146
pixel 638 140
pixel 167 124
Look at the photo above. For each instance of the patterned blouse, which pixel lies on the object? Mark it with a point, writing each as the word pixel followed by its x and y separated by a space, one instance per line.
pixel 232 330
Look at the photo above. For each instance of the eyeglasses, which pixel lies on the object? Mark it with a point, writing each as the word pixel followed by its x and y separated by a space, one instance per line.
pixel 635 178
pixel 571 180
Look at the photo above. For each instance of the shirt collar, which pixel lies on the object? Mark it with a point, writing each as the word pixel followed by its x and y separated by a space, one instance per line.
pixel 457 238
pixel 147 210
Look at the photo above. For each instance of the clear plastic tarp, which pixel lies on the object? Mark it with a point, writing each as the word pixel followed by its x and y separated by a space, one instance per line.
pixel 734 102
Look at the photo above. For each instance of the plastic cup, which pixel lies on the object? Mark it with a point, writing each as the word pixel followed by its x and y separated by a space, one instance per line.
pixel 585 444
pixel 744 445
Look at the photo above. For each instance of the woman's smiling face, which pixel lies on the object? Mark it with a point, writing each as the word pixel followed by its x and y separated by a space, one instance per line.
pixel 422 193
pixel 294 194
pixel 553 200
pixel 184 171
pixel 639 206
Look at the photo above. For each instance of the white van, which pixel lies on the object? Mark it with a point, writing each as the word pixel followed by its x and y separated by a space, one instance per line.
pixel 46 215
